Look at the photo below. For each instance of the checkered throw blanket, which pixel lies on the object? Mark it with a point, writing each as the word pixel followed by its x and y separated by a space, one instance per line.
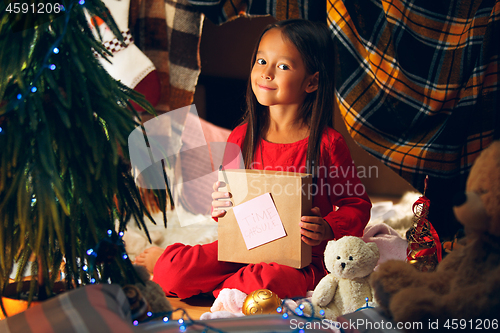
pixel 417 82
pixel 225 10
pixel 168 32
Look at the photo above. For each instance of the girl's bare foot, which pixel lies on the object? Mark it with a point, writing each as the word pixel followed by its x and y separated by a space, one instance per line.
pixel 149 257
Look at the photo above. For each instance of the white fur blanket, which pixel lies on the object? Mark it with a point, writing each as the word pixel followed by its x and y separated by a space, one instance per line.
pixel 201 230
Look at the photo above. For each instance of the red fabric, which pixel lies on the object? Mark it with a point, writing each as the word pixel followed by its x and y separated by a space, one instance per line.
pixel 439 246
pixel 151 89
pixel 184 271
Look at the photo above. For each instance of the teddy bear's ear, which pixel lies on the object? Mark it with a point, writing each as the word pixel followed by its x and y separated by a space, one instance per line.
pixel 143 273
pixel 374 248
pixel 330 245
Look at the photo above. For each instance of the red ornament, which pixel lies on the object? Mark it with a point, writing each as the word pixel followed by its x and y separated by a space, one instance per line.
pixel 424 248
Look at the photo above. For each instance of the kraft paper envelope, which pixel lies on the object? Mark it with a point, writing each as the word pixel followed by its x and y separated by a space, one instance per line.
pixel 290 193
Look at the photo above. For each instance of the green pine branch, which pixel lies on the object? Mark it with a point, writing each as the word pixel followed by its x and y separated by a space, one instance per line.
pixel 64 163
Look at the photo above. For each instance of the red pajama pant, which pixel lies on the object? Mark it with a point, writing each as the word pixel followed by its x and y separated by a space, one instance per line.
pixel 184 271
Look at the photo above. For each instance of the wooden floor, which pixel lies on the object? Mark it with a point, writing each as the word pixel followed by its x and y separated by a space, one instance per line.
pixel 194 306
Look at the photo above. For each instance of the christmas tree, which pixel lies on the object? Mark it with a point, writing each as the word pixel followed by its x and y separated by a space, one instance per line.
pixel 66 191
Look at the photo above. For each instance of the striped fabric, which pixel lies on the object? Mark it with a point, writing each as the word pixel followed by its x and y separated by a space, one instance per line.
pixel 93 308
pixel 168 32
pixel 417 82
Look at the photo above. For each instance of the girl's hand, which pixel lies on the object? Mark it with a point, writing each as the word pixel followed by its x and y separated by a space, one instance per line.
pixel 218 206
pixel 315 229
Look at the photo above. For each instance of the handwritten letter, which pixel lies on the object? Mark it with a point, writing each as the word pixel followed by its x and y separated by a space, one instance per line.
pixel 259 221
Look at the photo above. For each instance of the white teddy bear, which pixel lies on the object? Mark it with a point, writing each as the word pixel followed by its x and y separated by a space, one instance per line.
pixel 350 262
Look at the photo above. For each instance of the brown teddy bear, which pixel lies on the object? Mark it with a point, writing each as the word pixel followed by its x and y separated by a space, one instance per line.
pixel 464 290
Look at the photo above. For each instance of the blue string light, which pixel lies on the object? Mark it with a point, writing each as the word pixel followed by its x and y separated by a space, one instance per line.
pixel 53 49
pixel 52 67
pixel 186 321
pixel 366 306
pixel 96 255
pixel 299 311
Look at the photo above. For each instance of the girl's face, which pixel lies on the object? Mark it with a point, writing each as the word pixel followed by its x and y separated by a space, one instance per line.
pixel 279 76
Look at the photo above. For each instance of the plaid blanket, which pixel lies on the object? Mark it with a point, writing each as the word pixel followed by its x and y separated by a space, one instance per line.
pixel 168 32
pixel 225 10
pixel 418 82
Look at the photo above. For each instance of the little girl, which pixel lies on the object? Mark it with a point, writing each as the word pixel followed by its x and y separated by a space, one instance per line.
pixel 287 126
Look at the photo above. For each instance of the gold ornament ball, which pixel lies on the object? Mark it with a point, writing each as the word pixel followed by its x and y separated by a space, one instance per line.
pixel 261 301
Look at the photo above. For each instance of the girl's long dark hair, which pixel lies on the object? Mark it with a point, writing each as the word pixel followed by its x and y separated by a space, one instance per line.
pixel 314 42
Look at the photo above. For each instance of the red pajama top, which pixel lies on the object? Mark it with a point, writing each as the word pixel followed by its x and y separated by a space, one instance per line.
pixel 338 193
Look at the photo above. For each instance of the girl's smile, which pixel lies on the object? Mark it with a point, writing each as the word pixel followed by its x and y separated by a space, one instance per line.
pixel 265 87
